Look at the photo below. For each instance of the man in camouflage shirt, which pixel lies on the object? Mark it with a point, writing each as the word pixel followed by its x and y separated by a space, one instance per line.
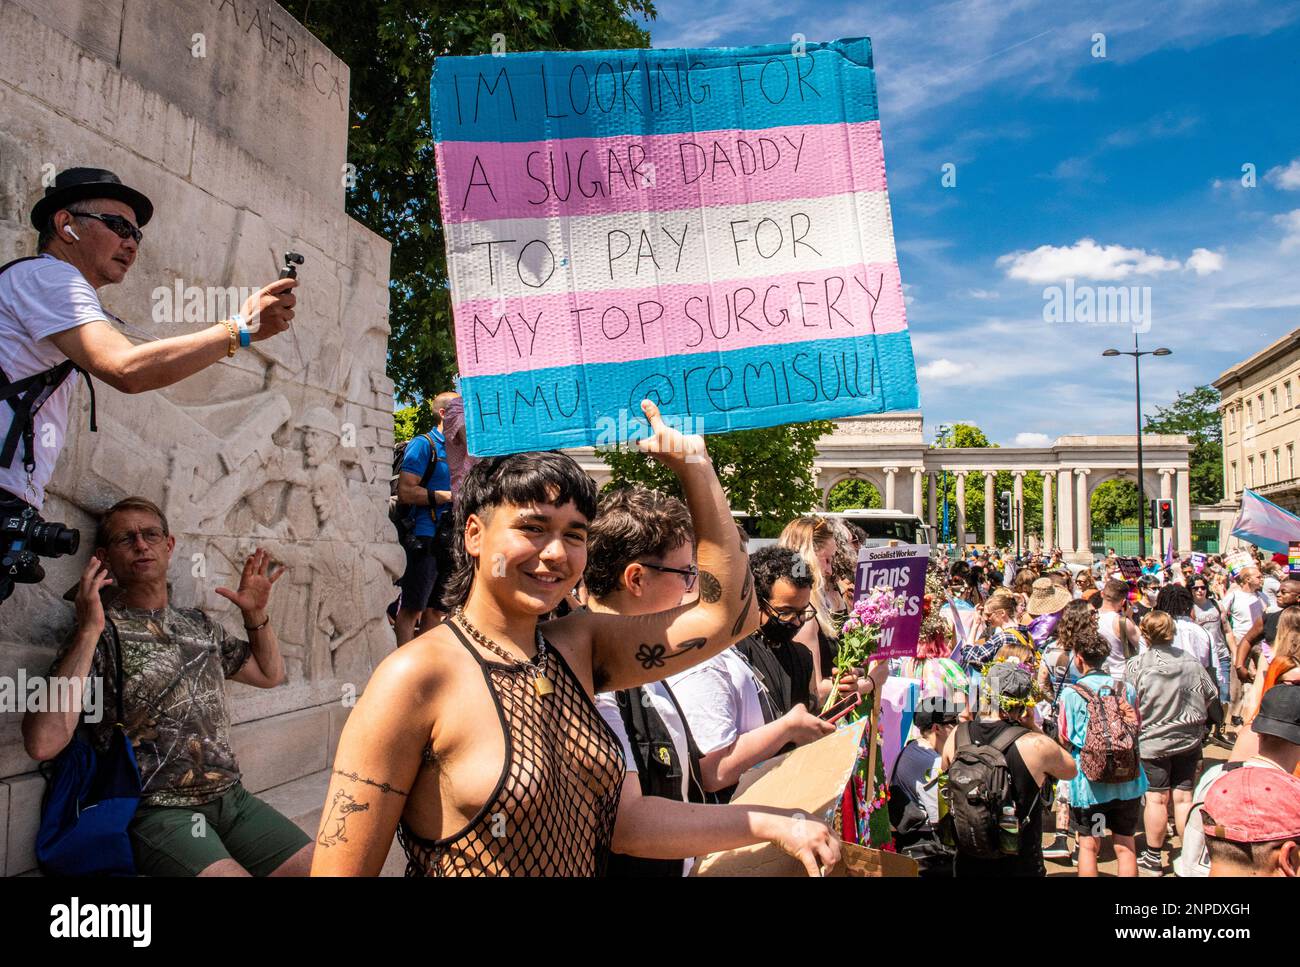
pixel 195 818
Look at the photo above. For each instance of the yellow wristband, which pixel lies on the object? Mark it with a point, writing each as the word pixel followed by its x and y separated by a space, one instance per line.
pixel 234 337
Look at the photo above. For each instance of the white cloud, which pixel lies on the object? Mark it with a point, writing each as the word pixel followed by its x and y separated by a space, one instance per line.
pixel 940 369
pixel 1288 178
pixel 981 294
pixel 1084 259
pixel 1291 223
pixel 1203 261
pixel 1033 440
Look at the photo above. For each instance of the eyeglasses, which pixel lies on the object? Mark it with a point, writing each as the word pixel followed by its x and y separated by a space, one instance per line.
pixel 790 615
pixel 689 574
pixel 151 535
pixel 1199 587
pixel 118 225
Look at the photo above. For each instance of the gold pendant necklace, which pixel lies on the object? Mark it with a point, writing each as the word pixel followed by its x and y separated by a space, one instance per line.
pixel 541 684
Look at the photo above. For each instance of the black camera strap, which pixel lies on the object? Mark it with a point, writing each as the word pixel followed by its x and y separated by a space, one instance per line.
pixel 27 395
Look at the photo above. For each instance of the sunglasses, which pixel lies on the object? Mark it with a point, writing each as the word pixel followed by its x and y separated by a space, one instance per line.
pixel 118 225
pixel 689 574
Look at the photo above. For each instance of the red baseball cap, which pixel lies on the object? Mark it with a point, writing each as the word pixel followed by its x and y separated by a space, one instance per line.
pixel 1253 804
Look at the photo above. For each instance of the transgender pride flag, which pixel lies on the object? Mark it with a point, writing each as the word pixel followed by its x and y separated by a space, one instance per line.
pixel 706 228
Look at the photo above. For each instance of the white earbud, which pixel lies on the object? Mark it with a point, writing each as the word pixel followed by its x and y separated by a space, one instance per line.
pixel 68 229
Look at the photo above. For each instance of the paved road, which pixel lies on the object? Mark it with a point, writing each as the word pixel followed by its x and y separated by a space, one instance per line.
pixel 1107 865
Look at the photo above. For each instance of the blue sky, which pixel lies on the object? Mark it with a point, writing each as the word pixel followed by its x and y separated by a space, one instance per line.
pixel 1117 171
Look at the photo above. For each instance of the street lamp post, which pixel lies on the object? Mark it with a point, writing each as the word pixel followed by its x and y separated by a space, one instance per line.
pixel 1137 355
pixel 941 435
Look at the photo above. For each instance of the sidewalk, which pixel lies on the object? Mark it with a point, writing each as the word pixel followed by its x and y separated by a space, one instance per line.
pixel 1106 865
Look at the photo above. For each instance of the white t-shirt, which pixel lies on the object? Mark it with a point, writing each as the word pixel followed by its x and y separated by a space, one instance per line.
pixel 720 700
pixel 38 299
pixel 1108 624
pixel 1194 640
pixel 1243 610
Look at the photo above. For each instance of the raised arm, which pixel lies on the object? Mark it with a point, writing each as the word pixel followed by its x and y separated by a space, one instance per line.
pixel 377 762
pixel 628 651
pixel 46 733
pixel 104 352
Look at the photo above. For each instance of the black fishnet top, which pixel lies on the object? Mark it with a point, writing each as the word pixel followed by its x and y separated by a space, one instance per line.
pixel 553 810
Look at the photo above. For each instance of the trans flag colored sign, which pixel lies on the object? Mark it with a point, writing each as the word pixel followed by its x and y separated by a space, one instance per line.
pixel 706 228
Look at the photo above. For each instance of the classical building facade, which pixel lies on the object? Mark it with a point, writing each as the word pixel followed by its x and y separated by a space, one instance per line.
pixel 889 451
pixel 1260 409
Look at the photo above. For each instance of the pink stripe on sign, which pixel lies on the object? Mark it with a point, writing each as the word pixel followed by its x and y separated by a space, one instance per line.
pixel 621 325
pixel 588 176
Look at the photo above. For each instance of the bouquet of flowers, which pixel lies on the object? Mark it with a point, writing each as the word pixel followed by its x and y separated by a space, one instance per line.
pixel 860 636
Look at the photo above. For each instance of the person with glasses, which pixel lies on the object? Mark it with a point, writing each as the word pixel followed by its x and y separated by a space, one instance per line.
pixel 639 561
pixel 174 665
pixel 753 701
pixel 1207 613
pixel 88 226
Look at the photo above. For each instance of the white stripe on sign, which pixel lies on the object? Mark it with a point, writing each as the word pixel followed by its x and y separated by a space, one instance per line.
pixel 625 250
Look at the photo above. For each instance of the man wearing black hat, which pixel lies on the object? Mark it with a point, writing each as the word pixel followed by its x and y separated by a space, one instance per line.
pixel 51 321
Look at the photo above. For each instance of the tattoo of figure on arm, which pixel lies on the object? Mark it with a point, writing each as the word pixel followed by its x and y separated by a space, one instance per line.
pixel 654 656
pixel 333 829
pixel 381 786
pixel 710 588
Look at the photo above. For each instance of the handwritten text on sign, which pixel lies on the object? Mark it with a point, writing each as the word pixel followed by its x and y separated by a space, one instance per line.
pixel 706 228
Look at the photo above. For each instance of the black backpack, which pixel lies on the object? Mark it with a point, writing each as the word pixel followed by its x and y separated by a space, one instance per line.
pixel 27 395
pixel 398 512
pixel 979 786
pixel 658 772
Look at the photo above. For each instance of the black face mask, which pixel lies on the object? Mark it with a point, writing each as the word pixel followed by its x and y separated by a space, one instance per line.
pixel 779 631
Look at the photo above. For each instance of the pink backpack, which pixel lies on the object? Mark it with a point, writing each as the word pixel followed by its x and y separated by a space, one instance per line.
pixel 1110 747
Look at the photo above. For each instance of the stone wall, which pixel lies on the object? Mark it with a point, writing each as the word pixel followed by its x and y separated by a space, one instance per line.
pixel 242 150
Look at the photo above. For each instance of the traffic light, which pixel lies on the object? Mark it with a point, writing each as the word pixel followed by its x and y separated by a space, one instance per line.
pixel 1004 510
pixel 1162 512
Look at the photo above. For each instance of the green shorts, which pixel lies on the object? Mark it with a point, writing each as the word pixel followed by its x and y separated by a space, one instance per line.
pixel 186 840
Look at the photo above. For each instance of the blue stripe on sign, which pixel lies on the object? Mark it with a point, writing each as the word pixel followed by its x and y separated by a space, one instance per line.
pixel 600 404
pixel 550 95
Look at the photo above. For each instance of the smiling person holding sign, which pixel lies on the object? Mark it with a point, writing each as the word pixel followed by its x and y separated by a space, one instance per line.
pixel 479 741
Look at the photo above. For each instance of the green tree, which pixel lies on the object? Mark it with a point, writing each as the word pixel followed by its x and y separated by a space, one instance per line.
pixel 1114 504
pixel 853 494
pixel 410 420
pixel 389 46
pixel 1196 413
pixel 766 473
pixel 970 436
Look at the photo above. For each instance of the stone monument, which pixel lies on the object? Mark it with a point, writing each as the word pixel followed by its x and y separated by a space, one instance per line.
pixel 233 118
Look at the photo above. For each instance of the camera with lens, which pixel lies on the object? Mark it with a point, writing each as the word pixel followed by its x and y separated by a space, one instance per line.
pixel 24 539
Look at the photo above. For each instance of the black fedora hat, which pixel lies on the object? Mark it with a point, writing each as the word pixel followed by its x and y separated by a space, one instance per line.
pixel 76 184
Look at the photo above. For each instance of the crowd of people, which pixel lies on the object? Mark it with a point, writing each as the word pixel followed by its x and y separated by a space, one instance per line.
pixel 582 679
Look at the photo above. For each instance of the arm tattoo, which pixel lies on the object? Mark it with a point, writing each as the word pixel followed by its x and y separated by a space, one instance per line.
pixel 744 614
pixel 381 786
pixel 746 602
pixel 333 828
pixel 710 588
pixel 654 656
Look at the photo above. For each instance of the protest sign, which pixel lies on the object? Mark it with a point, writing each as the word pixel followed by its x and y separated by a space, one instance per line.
pixel 706 228
pixel 1198 561
pixel 1293 557
pixel 1237 561
pixel 902 569
pixel 1130 568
